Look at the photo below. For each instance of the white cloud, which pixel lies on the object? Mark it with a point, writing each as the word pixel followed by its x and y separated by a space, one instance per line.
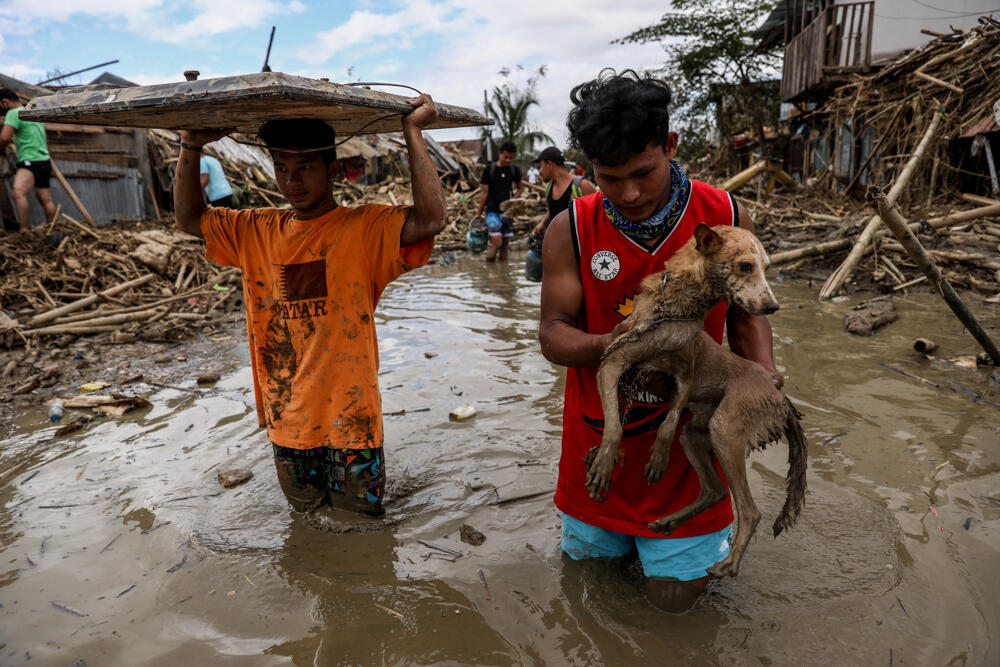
pixel 156 20
pixel 471 40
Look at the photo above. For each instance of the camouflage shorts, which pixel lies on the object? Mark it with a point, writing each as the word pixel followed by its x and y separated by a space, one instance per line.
pixel 350 479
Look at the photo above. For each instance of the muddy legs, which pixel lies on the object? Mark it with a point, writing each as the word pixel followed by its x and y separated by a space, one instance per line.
pixel 698 449
pixel 599 474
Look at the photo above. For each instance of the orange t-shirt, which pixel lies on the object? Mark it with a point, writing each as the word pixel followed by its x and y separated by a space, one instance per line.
pixel 310 289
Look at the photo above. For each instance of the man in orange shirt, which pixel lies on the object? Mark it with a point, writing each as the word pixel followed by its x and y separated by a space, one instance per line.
pixel 312 276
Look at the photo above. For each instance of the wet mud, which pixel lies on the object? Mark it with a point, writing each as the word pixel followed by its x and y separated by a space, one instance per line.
pixel 121 547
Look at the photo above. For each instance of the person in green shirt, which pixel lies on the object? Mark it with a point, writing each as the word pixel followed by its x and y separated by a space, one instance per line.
pixel 33 166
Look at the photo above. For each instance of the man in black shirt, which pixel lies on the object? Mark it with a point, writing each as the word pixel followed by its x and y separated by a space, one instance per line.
pixel 497 181
pixel 561 187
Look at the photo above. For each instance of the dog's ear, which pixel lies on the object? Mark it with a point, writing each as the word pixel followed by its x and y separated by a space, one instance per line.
pixel 706 240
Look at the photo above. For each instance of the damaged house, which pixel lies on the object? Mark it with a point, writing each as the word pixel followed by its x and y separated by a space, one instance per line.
pixel 860 81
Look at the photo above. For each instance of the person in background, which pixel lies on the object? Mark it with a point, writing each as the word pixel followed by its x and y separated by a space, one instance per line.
pixel 214 184
pixel 498 179
pixel 561 187
pixel 33 165
pixel 534 175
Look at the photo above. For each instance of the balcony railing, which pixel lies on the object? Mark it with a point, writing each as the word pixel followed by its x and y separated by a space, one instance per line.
pixel 838 41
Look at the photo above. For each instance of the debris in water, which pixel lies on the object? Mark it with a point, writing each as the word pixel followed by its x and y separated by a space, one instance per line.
pixel 231 478
pixel 178 566
pixel 73 426
pixel 470 535
pixel 65 607
pixel 482 577
pixel 461 413
pixel 924 345
pixel 208 378
pixel 446 550
pixel 108 545
pixel 125 591
pixel 391 611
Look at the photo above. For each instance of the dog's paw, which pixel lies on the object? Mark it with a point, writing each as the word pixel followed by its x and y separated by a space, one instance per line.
pixel 598 482
pixel 663 525
pixel 724 568
pixel 655 470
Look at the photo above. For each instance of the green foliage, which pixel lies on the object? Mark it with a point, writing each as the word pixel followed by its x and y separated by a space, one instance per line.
pixel 710 43
pixel 509 105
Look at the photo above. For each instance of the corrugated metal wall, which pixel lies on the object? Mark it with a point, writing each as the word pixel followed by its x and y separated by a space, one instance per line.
pixel 118 197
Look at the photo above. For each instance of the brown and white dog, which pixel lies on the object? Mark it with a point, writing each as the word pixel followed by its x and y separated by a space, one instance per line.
pixel 735 403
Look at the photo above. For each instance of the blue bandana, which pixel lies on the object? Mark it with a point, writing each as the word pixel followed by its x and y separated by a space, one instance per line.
pixel 663 220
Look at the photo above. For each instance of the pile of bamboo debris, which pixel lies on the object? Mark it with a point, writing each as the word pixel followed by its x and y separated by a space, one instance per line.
pixel 807 231
pixel 915 107
pixel 135 282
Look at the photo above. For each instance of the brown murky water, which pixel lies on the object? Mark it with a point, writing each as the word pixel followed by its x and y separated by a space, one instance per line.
pixel 894 560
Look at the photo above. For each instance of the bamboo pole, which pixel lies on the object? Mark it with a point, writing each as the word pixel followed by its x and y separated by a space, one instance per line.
pixel 839 244
pixel 895 222
pixel 844 271
pixel 72 194
pixel 50 315
pixel 744 177
pixel 75 327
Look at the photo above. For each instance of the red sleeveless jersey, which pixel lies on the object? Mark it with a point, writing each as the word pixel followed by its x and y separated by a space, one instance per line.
pixel 611 268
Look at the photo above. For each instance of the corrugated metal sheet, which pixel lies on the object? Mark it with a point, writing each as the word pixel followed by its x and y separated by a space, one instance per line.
pixel 107 199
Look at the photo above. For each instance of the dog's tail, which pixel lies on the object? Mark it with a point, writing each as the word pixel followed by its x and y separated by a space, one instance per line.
pixel 795 482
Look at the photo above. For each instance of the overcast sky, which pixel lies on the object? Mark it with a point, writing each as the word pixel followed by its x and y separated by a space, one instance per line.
pixel 450 48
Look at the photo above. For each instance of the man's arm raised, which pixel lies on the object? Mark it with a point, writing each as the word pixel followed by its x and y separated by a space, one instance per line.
pixel 563 342
pixel 189 198
pixel 427 217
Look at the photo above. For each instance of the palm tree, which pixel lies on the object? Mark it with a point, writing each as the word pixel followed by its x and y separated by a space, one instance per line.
pixel 509 106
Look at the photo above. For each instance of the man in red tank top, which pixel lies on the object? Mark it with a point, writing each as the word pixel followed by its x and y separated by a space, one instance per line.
pixel 595 255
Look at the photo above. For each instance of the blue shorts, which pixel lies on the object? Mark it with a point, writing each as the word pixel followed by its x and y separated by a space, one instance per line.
pixel 499 225
pixel 681 558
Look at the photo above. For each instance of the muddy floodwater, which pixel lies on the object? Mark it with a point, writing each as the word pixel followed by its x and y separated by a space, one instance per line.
pixel 120 547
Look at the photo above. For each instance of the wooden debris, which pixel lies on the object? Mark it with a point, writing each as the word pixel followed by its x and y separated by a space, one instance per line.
pixel 870 315
pixel 235 477
pixel 470 535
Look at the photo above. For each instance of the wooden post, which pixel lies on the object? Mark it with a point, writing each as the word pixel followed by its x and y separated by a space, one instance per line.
pixel 844 271
pixel 744 177
pixel 916 251
pixel 72 194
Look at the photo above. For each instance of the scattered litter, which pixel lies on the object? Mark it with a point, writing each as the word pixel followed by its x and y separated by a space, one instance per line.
pixel 231 478
pixel 113 404
pixel 391 611
pixel 482 577
pixel 208 378
pixel 924 345
pixel 73 426
pixel 461 413
pixel 92 386
pixel 65 607
pixel 178 566
pixel 108 545
pixel 431 545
